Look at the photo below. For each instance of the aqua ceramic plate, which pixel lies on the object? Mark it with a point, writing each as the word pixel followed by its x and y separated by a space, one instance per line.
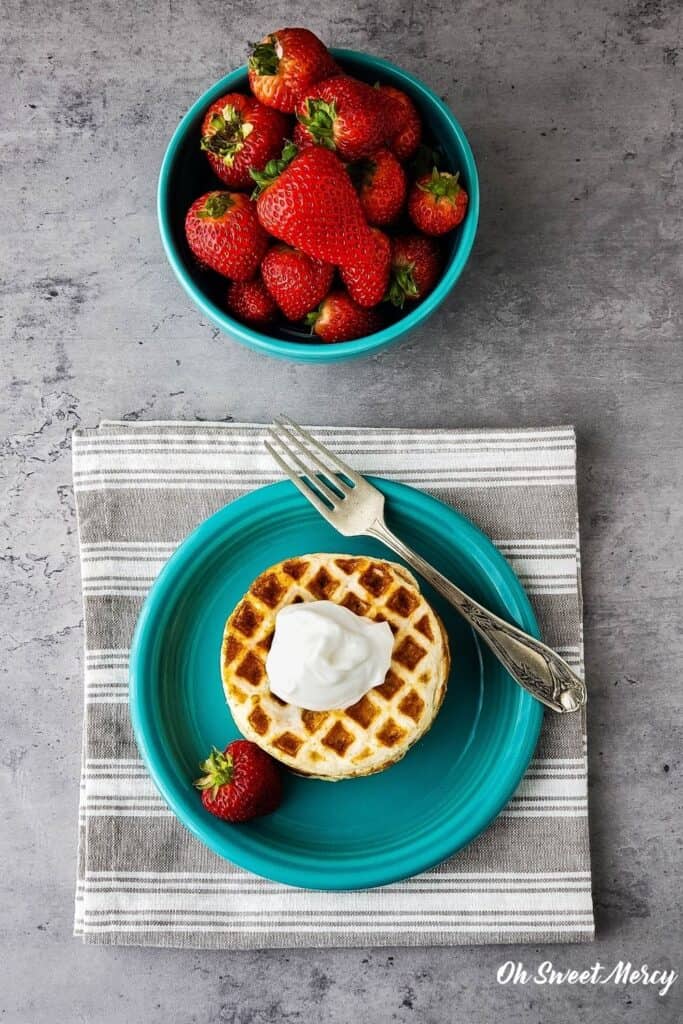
pixel 360 832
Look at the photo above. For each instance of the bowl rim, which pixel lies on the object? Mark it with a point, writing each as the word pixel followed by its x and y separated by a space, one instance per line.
pixel 313 351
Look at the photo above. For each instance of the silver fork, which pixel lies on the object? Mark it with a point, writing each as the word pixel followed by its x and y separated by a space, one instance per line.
pixel 355 508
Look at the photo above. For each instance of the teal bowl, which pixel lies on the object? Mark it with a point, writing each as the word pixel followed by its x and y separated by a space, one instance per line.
pixel 185 175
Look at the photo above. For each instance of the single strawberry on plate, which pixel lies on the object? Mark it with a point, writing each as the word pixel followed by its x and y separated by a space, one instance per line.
pixel 415 268
pixel 381 184
pixel 251 302
pixel 437 202
pixel 339 318
pixel 239 133
pixel 403 125
pixel 343 114
pixel 307 200
pixel 296 282
pixel 224 234
pixel 240 783
pixel 367 280
pixel 284 64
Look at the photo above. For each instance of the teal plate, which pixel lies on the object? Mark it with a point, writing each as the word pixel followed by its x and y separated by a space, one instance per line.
pixel 360 832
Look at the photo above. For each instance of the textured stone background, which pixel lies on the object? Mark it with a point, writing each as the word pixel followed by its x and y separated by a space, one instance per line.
pixel 569 312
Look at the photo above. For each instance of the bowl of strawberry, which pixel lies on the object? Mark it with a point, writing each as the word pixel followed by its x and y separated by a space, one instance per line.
pixel 317 204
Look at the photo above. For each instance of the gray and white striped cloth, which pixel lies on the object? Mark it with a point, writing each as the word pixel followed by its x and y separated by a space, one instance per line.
pixel 142 878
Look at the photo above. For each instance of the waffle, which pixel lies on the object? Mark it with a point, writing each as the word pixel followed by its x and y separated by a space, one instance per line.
pixel 382 726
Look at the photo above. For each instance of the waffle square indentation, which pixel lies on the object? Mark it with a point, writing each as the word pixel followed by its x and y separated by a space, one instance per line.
pixel 403 602
pixel 247 619
pixel 259 721
pixel 409 653
pixel 363 711
pixel 338 739
pixel 288 743
pixel 323 585
pixel 391 685
pixel 375 579
pixel 391 733
pixel 412 705
pixel 251 668
pixel 268 589
pixel 425 627
pixel 354 603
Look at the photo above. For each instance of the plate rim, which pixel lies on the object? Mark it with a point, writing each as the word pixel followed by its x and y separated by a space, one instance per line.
pixel 268 864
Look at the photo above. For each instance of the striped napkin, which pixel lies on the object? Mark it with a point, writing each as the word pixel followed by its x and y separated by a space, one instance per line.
pixel 142 878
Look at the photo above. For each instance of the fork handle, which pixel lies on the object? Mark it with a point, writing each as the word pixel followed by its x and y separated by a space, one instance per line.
pixel 531 663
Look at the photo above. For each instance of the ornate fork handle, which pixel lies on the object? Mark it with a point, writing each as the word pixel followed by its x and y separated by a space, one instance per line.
pixel 534 665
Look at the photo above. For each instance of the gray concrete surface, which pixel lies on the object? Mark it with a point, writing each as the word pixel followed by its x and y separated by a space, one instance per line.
pixel 570 311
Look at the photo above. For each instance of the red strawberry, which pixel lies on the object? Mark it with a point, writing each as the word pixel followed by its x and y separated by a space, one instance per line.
pixel 415 268
pixel 284 64
pixel 344 115
pixel 297 282
pixel 404 128
pixel 339 318
pixel 239 133
pixel 367 282
pixel 251 302
pixel 224 234
pixel 240 783
pixel 381 184
pixel 437 202
pixel 307 200
pixel 301 137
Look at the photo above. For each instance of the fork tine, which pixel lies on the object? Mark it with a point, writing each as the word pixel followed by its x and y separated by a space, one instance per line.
pixel 318 463
pixel 309 494
pixel 327 484
pixel 304 470
pixel 337 463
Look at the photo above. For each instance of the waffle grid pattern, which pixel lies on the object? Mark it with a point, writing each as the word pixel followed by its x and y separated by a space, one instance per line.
pixel 380 728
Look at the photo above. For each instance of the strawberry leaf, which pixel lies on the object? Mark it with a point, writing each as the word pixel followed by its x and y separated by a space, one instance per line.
pixel 273 169
pixel 263 58
pixel 216 205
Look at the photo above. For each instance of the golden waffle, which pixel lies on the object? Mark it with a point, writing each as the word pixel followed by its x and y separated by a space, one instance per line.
pixel 382 726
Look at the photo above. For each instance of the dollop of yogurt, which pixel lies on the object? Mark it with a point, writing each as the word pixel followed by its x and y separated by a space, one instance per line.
pixel 323 656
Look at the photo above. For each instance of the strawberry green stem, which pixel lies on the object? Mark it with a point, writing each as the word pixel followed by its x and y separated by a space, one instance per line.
pixel 311 318
pixel 218 769
pixel 319 120
pixel 402 285
pixel 226 135
pixel 273 169
pixel 442 185
pixel 264 59
pixel 216 205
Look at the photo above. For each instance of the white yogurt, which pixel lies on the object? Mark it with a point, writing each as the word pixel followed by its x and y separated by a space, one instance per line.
pixel 323 656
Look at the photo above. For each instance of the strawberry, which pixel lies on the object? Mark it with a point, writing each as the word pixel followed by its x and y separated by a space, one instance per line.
pixel 415 268
pixel 251 302
pixel 437 202
pixel 239 133
pixel 301 137
pixel 296 281
pixel 285 64
pixel 306 199
pixel 381 184
pixel 339 318
pixel 403 125
pixel 240 783
pixel 343 114
pixel 224 234
pixel 367 282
